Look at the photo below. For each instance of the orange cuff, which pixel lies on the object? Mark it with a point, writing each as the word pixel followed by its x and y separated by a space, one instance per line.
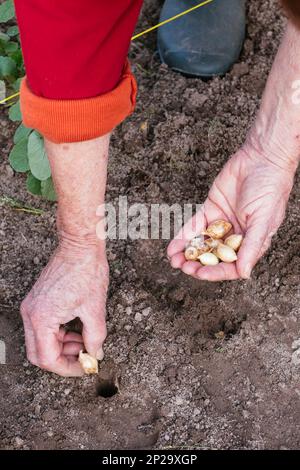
pixel 78 120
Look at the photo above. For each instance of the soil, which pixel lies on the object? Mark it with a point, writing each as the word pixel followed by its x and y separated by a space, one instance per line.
pixel 182 383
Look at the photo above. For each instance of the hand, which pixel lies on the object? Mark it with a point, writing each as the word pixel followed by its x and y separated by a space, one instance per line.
pixel 252 193
pixel 73 284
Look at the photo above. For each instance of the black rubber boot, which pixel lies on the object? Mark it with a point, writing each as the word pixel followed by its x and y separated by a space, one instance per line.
pixel 205 42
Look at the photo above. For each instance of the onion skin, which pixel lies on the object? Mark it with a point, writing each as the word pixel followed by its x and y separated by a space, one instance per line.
pixel 191 253
pixel 218 229
pixel 197 242
pixel 208 259
pixel 88 363
pixel 226 254
pixel 212 243
pixel 234 241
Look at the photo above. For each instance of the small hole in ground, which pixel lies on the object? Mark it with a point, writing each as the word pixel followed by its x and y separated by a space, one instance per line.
pixel 107 388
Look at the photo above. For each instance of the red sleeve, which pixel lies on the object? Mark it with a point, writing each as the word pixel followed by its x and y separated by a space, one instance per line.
pixel 78 83
pixel 75 49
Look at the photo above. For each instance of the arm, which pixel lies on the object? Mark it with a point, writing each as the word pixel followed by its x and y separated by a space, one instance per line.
pixel 276 132
pixel 76 91
pixel 75 281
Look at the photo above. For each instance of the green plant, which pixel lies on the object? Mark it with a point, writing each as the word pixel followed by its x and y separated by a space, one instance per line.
pixel 28 154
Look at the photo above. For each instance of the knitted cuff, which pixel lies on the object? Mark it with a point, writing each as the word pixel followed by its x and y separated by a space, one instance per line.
pixel 78 120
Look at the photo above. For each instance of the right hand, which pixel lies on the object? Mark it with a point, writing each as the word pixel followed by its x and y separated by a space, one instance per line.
pixel 73 284
pixel 252 193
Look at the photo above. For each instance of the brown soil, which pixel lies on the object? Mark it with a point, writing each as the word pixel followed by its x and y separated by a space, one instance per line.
pixel 179 384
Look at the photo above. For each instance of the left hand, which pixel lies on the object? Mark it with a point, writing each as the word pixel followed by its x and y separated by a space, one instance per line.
pixel 73 284
pixel 252 193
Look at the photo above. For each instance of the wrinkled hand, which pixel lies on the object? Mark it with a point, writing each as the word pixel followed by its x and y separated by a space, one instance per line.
pixel 73 284
pixel 252 193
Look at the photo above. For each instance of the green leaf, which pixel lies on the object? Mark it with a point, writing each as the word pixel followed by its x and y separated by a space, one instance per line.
pixel 48 190
pixel 7 67
pixel 17 84
pixel 11 46
pixel 38 160
pixel 18 156
pixel 17 57
pixel 3 43
pixel 4 37
pixel 21 133
pixel 7 11
pixel 15 112
pixel 2 90
pixel 33 185
pixel 12 31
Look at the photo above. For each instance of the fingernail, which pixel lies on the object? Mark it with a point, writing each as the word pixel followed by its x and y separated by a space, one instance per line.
pixel 100 354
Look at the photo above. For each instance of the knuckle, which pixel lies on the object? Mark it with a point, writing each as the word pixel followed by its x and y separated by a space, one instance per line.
pixel 34 320
pixel 98 334
pixel 45 359
pixel 30 312
pixel 45 364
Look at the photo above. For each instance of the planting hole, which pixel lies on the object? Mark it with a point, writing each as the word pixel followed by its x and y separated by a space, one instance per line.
pixel 107 388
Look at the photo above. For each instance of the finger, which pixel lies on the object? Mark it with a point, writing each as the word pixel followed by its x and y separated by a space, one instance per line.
pixel 177 261
pixel 221 272
pixel 72 337
pixel 64 336
pixel 67 367
pixel 94 333
pixel 189 231
pixel 72 359
pixel 252 247
pixel 267 243
pixel 50 357
pixel 190 267
pixel 72 348
pixel 30 340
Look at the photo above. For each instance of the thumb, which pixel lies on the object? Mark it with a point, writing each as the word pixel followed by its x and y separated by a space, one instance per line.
pixel 255 243
pixel 94 333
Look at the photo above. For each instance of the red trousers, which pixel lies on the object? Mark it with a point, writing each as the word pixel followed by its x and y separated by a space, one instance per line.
pixel 74 53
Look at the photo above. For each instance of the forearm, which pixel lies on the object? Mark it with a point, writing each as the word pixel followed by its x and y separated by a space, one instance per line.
pixel 276 132
pixel 79 175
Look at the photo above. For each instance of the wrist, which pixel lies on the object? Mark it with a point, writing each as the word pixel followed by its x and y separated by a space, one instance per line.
pixel 80 243
pixel 80 228
pixel 282 154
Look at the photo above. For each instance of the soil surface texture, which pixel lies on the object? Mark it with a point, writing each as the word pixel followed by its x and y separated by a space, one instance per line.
pixel 199 365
